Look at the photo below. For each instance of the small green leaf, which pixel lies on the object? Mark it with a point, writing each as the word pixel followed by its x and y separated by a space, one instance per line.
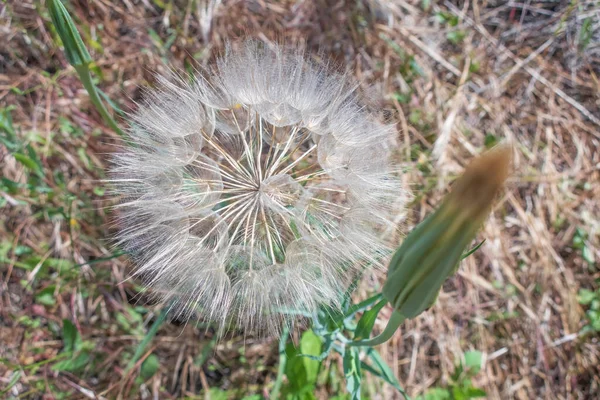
pixel 21 250
pixel 382 370
pixel 46 296
pixel 28 163
pixel 9 136
pixel 438 394
pixel 490 141
pixel 586 33
pixel 218 394
pixel 456 37
pixel 310 344
pixel 588 255
pixel 149 367
pixel 363 305
pixel 586 296
pixel 71 337
pixel 367 321
pixel 76 363
pixel 473 361
pixel 402 98
pixel 139 351
pixel 328 342
pixel 299 385
pixel 9 185
pixel 352 372
pixel 473 392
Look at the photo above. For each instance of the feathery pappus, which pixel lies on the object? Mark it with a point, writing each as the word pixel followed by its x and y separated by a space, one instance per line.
pixel 259 187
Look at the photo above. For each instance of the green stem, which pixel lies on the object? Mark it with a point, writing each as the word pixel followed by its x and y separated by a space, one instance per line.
pixel 395 320
pixel 84 75
pixel 282 364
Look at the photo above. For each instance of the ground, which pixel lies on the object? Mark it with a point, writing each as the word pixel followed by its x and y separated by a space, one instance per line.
pixel 455 77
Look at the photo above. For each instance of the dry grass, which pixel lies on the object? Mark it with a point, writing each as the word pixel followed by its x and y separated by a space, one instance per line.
pixel 456 76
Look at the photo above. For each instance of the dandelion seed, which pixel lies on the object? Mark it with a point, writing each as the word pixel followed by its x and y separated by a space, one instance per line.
pixel 259 187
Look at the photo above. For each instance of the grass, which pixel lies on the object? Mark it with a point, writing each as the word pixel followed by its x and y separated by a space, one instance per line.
pixel 455 80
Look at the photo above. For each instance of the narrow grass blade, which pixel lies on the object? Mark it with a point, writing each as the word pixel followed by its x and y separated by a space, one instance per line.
pixel 139 351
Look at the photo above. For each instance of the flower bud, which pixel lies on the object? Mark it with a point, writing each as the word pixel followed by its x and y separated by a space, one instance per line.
pixel 432 251
pixel 75 50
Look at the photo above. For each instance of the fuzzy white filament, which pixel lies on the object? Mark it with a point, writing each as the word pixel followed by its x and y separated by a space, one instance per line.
pixel 260 187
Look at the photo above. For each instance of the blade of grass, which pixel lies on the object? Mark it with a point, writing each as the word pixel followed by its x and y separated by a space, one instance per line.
pixel 13 381
pixel 148 338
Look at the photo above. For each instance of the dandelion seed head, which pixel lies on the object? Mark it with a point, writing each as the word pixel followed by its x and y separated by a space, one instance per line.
pixel 259 187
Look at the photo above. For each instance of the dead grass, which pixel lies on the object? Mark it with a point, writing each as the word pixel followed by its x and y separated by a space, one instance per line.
pixel 456 76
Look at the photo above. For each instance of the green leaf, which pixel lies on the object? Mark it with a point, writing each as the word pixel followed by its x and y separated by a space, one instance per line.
pixel 310 344
pixel 205 352
pixel 9 137
pixel 588 255
pixel 594 317
pixel 490 140
pixel 401 97
pixel 363 305
pixel 586 296
pixel 218 394
pixel 21 250
pixel 473 250
pixel 473 361
pixel 456 37
pixel 76 363
pixel 352 372
pixel 328 342
pixel 367 321
pixel 149 367
pixel 139 351
pixel 300 369
pixel 298 382
pixel 112 104
pixel 16 375
pixel 382 370
pixel 473 392
pixel 46 296
pixel 39 167
pixel 71 337
pixel 9 185
pixel 28 163
pixel 586 33
pixel 438 394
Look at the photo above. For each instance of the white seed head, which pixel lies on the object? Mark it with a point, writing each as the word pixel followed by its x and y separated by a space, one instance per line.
pixel 258 188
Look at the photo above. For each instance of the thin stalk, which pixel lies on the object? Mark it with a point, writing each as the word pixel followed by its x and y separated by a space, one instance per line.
pixel 395 320
pixel 86 79
pixel 148 338
pixel 282 364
